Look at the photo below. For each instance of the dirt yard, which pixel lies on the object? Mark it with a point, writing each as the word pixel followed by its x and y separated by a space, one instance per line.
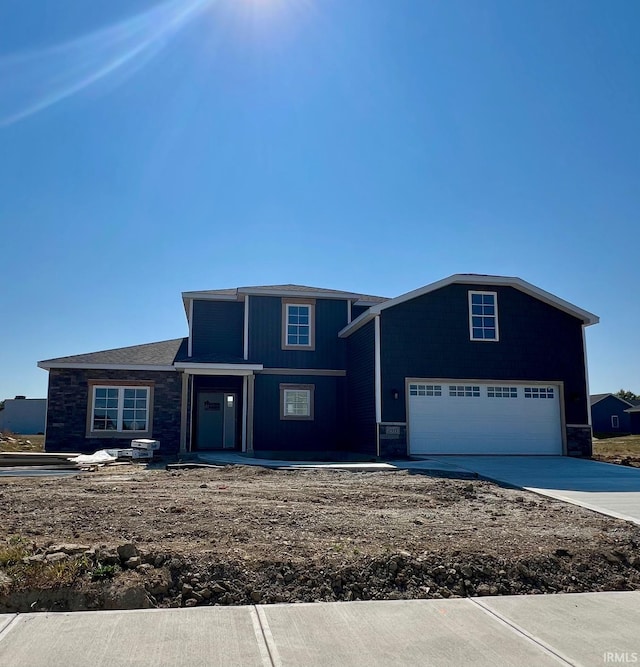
pixel 130 537
pixel 623 450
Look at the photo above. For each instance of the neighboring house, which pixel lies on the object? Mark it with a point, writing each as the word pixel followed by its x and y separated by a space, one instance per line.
pixel 470 364
pixel 24 416
pixel 634 419
pixel 609 414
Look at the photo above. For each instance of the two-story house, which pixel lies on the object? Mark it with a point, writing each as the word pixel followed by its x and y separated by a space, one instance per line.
pixel 470 364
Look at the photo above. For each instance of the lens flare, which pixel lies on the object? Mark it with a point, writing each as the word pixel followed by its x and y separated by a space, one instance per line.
pixel 33 81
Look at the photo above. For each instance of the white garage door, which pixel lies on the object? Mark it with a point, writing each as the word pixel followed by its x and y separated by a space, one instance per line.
pixel 499 418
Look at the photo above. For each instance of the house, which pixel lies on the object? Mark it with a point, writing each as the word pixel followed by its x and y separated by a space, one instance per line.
pixel 469 364
pixel 634 419
pixel 609 414
pixel 23 416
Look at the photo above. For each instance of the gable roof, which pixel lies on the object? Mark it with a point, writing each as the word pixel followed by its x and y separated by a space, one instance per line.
pixel 151 356
pixel 596 398
pixel 585 316
pixel 237 293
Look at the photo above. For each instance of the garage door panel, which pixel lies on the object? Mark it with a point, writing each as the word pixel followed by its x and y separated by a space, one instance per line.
pixel 529 423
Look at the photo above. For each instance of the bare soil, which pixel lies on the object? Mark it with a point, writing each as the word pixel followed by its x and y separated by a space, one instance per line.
pixel 623 450
pixel 241 535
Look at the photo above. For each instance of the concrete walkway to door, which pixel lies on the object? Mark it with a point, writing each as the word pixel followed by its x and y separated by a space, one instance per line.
pixel 603 487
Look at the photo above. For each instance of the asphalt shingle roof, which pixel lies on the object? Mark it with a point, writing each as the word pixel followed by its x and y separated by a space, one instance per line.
pixel 162 353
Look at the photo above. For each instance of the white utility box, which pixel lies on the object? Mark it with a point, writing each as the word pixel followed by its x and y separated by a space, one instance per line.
pixel 150 445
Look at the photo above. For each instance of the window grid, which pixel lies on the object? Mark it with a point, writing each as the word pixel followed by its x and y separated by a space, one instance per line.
pixel 539 392
pixel 297 403
pixel 502 392
pixel 120 409
pixel 483 316
pixel 464 390
pixel 425 390
pixel 298 325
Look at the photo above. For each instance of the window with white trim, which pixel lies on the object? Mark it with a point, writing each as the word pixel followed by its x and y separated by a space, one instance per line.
pixel 502 392
pixel 425 390
pixel 539 392
pixel 464 390
pixel 298 326
pixel 296 401
pixel 615 421
pixel 483 316
pixel 120 409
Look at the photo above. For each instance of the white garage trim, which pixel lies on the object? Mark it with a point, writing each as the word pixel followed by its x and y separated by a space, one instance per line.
pixel 483 384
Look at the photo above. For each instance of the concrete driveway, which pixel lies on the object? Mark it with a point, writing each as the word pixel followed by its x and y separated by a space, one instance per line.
pixel 603 487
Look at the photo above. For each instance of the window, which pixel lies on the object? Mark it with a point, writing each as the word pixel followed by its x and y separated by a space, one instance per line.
pixel 464 390
pixel 483 316
pixel 615 421
pixel 539 392
pixel 298 326
pixel 296 401
pixel 502 392
pixel 119 409
pixel 425 390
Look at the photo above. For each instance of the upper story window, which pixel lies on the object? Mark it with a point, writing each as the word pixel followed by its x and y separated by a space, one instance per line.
pixel 483 316
pixel 298 326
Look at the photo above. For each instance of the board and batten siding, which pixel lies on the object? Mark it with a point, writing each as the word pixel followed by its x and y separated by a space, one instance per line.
pixel 217 328
pixel 429 337
pixel 324 433
pixel 265 335
pixel 361 400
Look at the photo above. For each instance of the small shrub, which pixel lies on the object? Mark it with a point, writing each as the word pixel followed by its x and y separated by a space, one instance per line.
pixel 103 572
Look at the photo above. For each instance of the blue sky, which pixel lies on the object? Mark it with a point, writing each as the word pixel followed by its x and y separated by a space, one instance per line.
pixel 148 149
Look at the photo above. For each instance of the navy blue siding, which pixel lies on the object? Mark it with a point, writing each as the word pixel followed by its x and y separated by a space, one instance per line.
pixel 218 328
pixel 634 423
pixel 601 414
pixel 324 433
pixel 356 311
pixel 265 335
pixel 361 400
pixel 429 337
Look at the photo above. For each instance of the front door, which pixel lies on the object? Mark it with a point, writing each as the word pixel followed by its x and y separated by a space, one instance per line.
pixel 216 420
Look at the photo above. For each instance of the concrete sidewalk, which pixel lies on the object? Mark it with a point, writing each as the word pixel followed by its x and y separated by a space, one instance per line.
pixel 426 466
pixel 576 629
pixel 610 489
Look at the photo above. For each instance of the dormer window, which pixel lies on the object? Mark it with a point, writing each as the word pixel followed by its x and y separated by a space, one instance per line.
pixel 483 316
pixel 298 326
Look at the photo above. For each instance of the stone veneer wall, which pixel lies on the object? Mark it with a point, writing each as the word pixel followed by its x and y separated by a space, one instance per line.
pixel 68 402
pixel 579 441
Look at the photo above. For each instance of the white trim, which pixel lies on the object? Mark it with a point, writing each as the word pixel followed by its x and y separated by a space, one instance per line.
pixel 615 421
pixel 286 345
pixel 348 311
pixel 104 367
pixel 244 413
pixel 634 409
pixel 495 317
pixel 251 381
pixel 472 279
pixel 303 371
pixel 246 327
pixel 296 294
pixel 220 369
pixel 378 371
pixel 209 297
pixel 190 320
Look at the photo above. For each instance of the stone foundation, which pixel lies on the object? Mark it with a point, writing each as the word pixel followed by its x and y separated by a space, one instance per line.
pixel 579 441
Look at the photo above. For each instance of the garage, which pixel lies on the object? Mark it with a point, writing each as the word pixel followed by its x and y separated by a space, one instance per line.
pixel 463 417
